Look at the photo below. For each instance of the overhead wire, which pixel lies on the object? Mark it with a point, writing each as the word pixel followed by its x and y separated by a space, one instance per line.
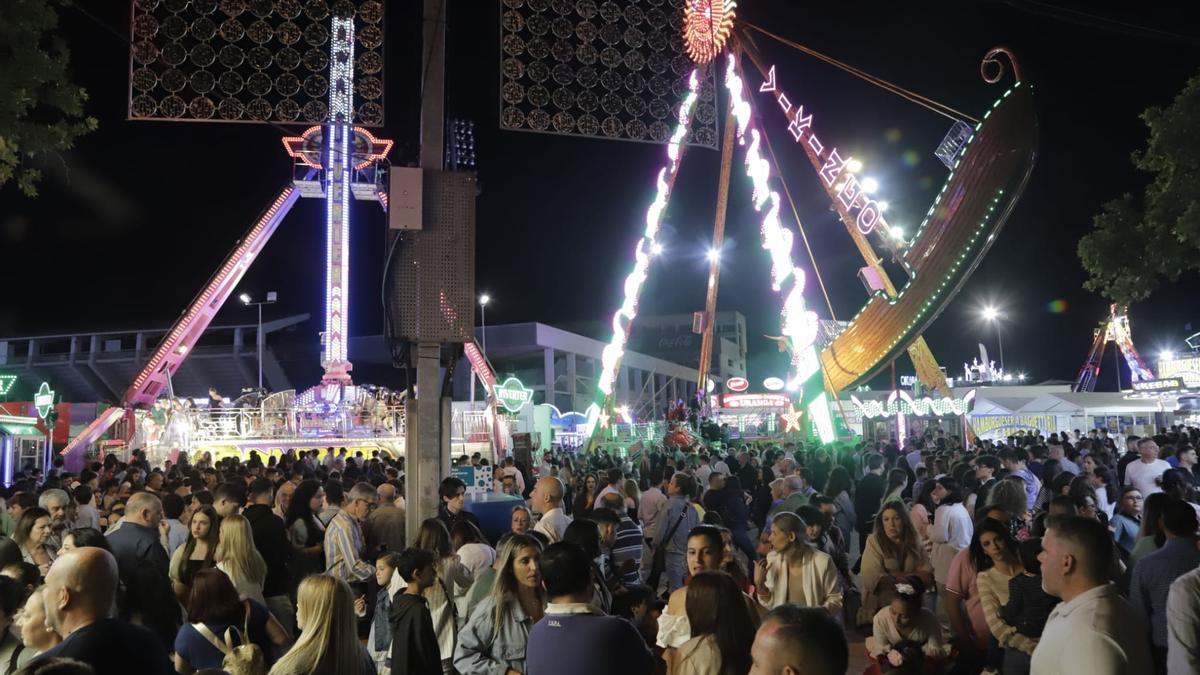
pixel 909 95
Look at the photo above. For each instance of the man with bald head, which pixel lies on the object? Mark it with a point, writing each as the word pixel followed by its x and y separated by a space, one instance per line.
pixel 791 635
pixel 384 529
pixel 137 540
pixel 80 591
pixel 546 499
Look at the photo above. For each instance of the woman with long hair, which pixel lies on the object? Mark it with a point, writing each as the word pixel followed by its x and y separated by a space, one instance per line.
pixel 994 556
pixel 897 482
pixel 839 489
pixel 213 609
pixel 472 549
pixel 1151 536
pixel 237 557
pixel 495 636
pixel 1104 480
pixel 921 511
pixel 722 628
pixel 1009 496
pixel 633 498
pixel 328 642
pixel 453 580
pixel 31 534
pixel 893 553
pixel 197 553
pixel 305 531
pixel 951 529
pixel 736 516
pixel 795 571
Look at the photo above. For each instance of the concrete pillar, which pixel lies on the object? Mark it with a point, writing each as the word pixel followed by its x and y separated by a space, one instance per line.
pixel 548 373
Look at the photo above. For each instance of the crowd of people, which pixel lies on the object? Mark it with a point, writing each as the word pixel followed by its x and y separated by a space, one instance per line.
pixel 1071 553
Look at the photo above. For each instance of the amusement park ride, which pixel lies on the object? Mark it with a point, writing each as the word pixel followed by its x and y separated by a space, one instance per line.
pixel 1113 329
pixel 990 161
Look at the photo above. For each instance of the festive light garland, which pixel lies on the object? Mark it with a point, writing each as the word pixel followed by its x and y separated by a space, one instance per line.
pixel 901 403
pixel 610 358
pixel 798 324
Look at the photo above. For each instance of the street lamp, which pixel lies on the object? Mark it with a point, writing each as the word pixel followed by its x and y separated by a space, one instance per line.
pixel 993 315
pixel 249 302
pixel 483 303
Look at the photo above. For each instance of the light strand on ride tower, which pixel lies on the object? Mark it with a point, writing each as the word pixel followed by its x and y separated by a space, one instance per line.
pixel 798 324
pixel 610 358
pixel 337 201
pixel 850 192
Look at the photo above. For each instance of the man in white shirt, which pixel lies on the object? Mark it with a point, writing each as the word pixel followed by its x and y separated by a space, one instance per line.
pixel 1144 473
pixel 546 499
pixel 651 506
pixel 615 476
pixel 913 458
pixel 1091 630
pixel 1183 625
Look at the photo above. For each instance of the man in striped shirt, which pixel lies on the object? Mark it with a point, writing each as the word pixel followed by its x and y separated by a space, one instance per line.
pixel 627 548
pixel 344 538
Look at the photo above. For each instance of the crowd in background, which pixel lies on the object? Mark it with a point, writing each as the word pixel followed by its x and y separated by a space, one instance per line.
pixel 1069 553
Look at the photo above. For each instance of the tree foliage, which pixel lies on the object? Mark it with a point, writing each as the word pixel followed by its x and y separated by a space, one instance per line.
pixel 41 110
pixel 1138 242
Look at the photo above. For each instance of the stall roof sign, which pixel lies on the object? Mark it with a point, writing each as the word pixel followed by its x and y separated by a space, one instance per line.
pixel 512 394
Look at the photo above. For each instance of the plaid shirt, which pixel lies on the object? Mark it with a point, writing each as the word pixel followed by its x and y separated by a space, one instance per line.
pixel 343 549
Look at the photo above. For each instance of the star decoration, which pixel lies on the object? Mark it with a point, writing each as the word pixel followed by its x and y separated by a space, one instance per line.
pixel 791 420
pixel 603 417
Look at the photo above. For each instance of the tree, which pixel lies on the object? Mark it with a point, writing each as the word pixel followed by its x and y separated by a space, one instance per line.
pixel 1137 243
pixel 41 110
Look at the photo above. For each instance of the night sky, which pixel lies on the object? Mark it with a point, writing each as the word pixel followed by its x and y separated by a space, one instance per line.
pixel 132 222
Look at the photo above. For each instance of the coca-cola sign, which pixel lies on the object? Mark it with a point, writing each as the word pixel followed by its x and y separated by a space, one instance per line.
pixel 738 384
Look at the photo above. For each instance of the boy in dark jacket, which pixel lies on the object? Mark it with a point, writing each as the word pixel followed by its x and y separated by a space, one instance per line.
pixel 414 642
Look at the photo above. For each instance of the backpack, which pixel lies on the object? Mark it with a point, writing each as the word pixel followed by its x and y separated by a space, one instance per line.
pixel 243 659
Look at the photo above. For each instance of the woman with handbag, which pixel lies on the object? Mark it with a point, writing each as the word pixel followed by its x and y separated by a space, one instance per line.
pixel 219 620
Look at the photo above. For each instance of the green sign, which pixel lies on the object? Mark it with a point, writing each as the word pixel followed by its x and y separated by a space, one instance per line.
pixel 43 400
pixel 6 384
pixel 512 394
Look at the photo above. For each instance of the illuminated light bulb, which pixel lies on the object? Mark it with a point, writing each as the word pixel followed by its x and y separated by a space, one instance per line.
pixel 1166 356
pixel 883 206
pixel 897 232
pixel 838 187
pixel 485 299
pixel 183 349
pixel 714 255
pixel 245 298
pixel 870 184
pixel 656 249
pixel 853 165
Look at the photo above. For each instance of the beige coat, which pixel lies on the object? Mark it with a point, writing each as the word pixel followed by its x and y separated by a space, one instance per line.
pixel 817 582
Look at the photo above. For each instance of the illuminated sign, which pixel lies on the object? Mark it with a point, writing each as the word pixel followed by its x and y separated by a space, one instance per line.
pixel 755 401
pixel 850 192
pixel 773 384
pixel 901 403
pixel 43 400
pixel 737 384
pixel 1187 368
pixel 995 425
pixel 6 384
pixel 512 394
pixel 480 364
pixel 1161 384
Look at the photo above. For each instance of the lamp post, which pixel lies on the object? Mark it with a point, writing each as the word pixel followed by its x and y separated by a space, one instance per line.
pixel 483 303
pixel 992 315
pixel 249 302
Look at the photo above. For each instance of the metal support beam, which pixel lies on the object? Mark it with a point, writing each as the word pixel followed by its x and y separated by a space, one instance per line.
pixel 433 85
pixel 427 455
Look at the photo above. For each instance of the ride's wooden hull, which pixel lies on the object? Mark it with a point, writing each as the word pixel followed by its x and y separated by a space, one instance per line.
pixel 960 227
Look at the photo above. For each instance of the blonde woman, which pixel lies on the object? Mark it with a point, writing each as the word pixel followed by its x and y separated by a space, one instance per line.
pixel 795 571
pixel 237 557
pixel 328 642
pixel 494 639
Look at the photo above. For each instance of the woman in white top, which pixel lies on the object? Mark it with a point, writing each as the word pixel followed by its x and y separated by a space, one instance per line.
pixel 796 572
pixel 705 553
pixel 237 557
pixel 951 529
pixel 474 553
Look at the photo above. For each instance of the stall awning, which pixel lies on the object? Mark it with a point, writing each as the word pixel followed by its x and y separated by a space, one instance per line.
pixel 10 429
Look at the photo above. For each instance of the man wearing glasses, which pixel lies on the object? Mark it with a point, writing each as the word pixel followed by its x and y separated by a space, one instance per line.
pixel 1128 519
pixel 344 538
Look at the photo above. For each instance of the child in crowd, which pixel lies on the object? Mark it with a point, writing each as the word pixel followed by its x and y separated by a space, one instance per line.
pixel 905 634
pixel 1028 605
pixel 379 641
pixel 414 641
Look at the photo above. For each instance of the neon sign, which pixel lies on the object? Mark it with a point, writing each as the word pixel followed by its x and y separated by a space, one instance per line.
pixel 512 394
pixel 43 400
pixel 755 401
pixel 773 384
pixel 901 403
pixel 1162 384
pixel 850 192
pixel 6 384
pixel 737 384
